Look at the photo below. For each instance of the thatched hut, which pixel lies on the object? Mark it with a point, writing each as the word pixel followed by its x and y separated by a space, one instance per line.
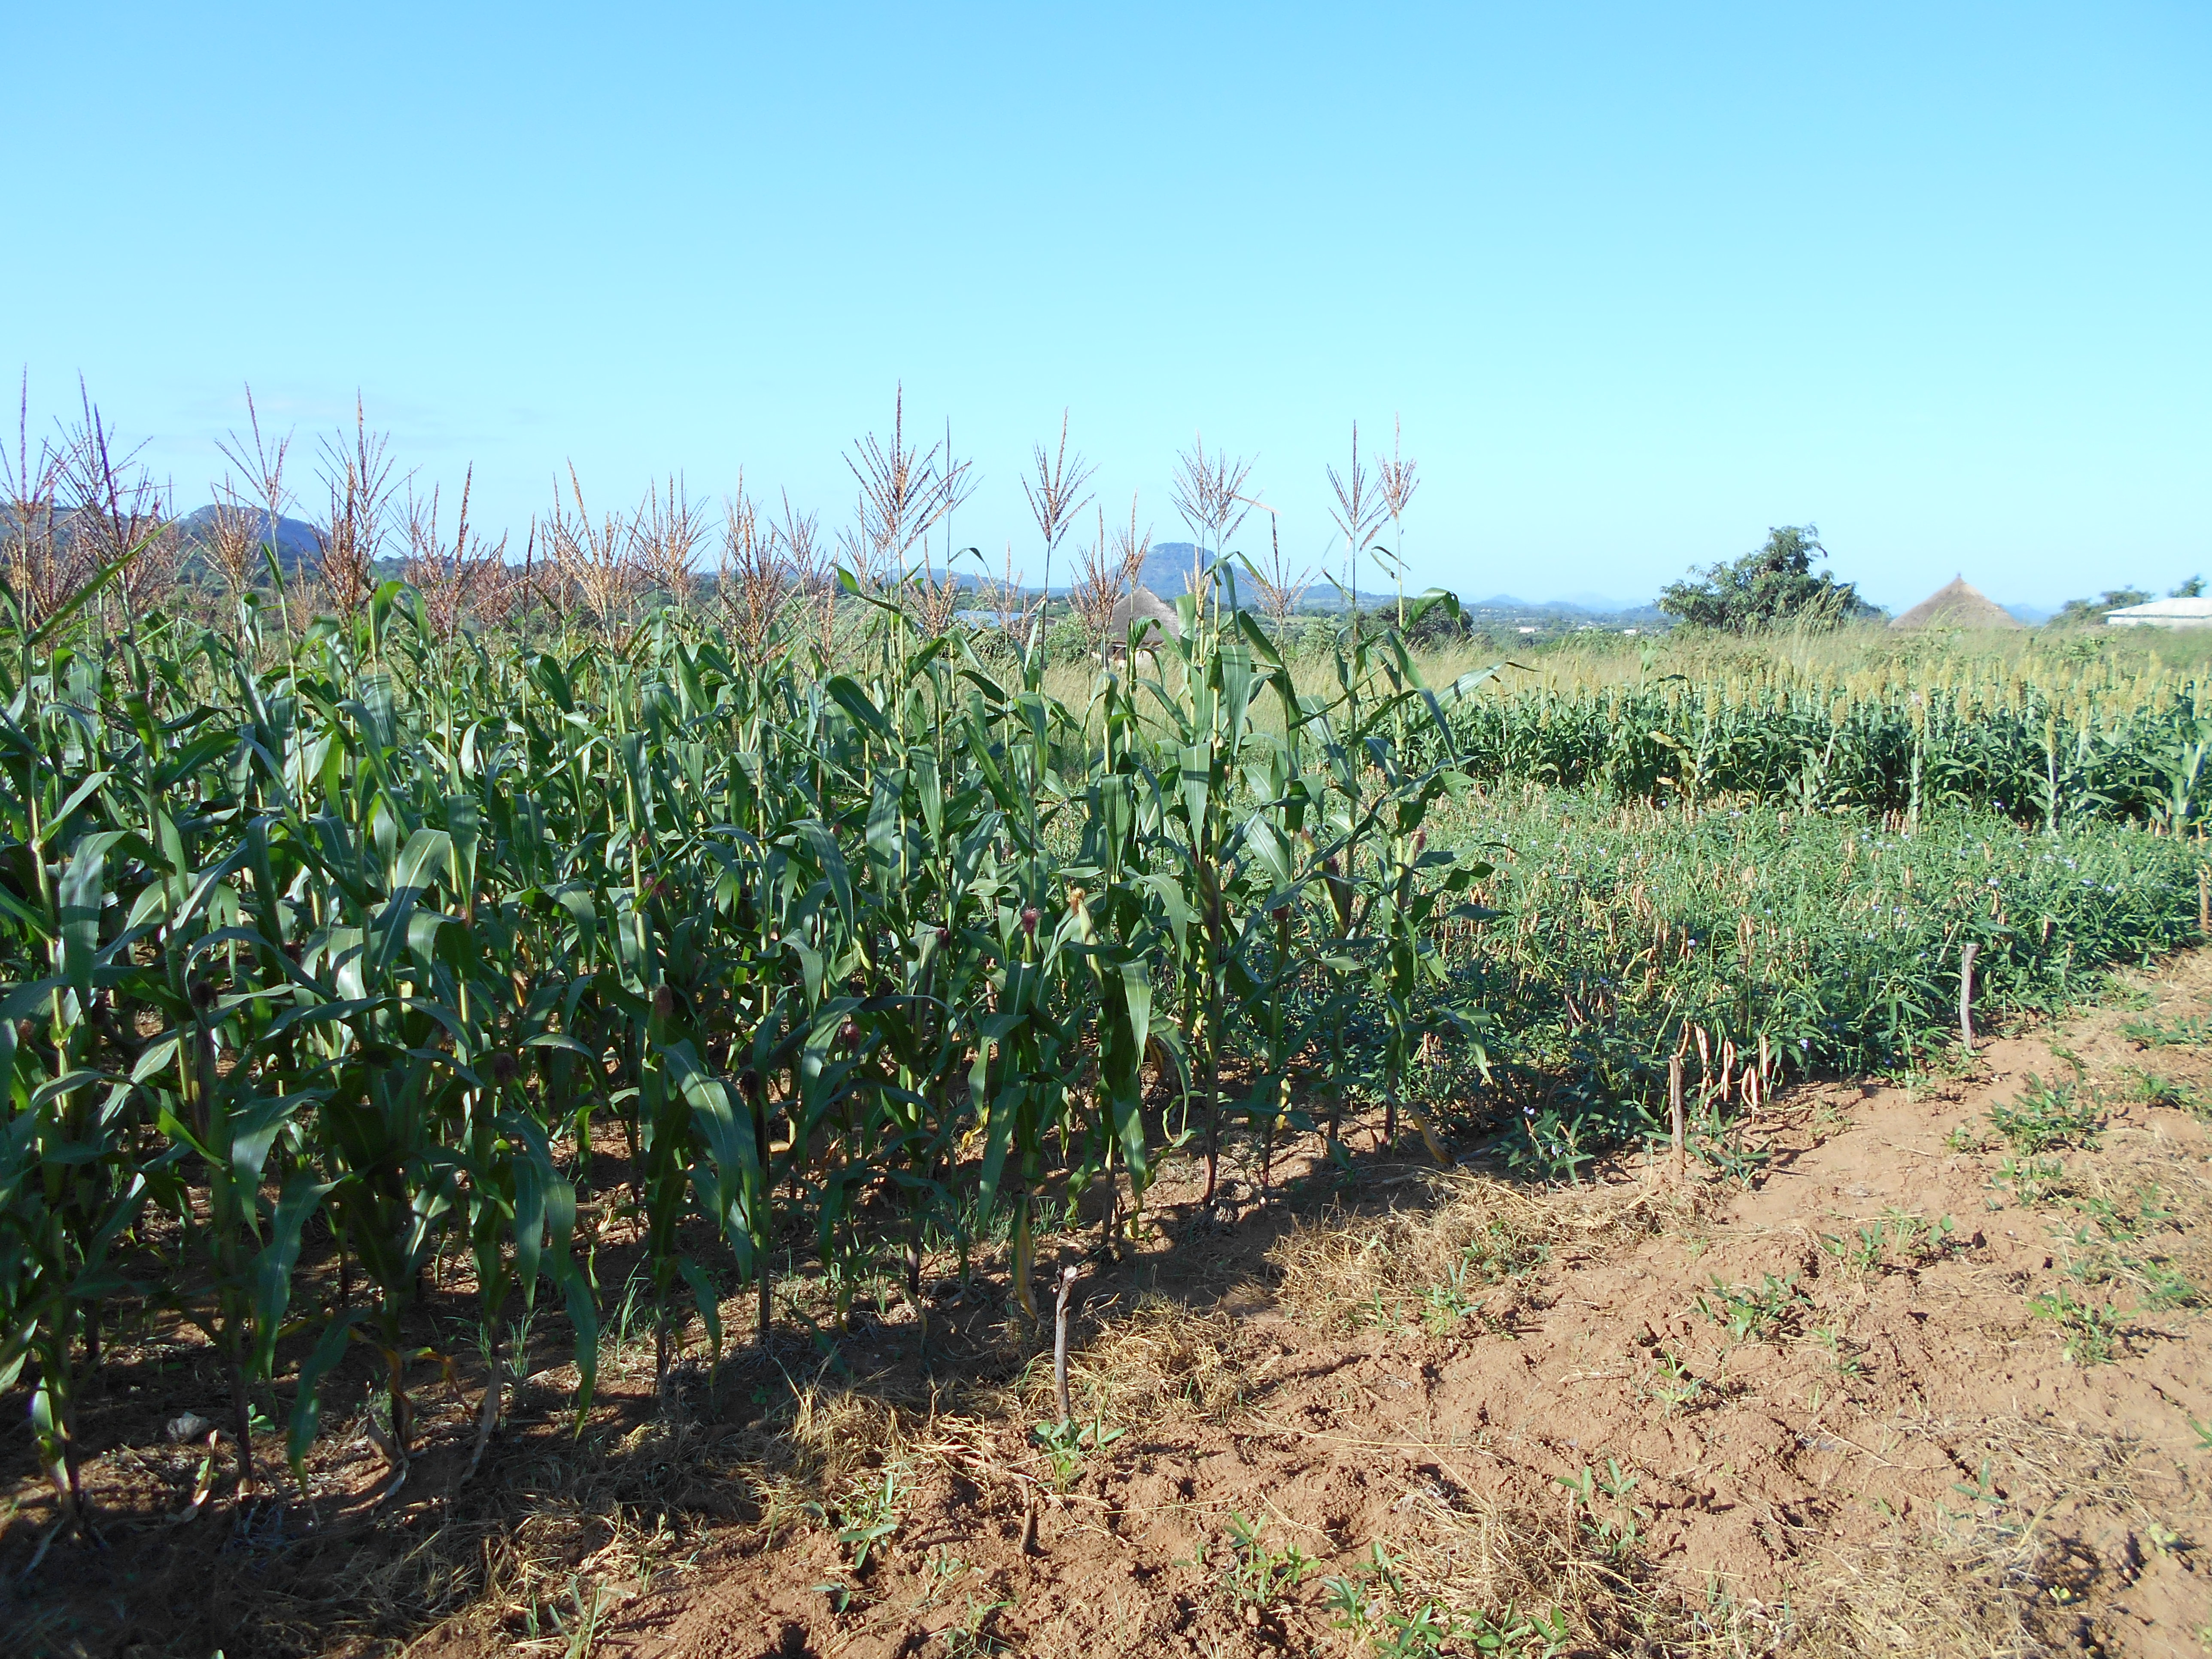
pixel 1141 605
pixel 1958 604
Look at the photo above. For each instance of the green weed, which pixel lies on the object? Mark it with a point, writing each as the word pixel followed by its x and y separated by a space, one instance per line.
pixel 2164 1289
pixel 1675 1385
pixel 2093 1334
pixel 2047 1115
pixel 1964 1137
pixel 1067 1445
pixel 1494 1256
pixel 1755 1314
pixel 1609 1518
pixel 1842 1353
pixel 1897 1239
pixel 1446 1303
pixel 2189 1031
pixel 2033 1181
pixel 1372 1608
pixel 1256 1573
pixel 2156 1089
pixel 871 1513
pixel 1860 1255
pixel 968 1639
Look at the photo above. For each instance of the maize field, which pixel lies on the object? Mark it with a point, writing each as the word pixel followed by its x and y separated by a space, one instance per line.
pixel 2047 748
pixel 341 960
pixel 378 946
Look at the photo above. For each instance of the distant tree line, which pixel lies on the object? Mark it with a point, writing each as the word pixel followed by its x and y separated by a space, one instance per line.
pixel 2093 612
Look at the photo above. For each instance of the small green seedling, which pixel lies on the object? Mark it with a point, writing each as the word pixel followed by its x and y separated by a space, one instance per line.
pixel 2156 1089
pixel 1860 1255
pixel 1446 1304
pixel 2033 1181
pixel 1965 1138
pixel 1066 1445
pixel 968 1639
pixel 1372 1607
pixel 2164 1289
pixel 1613 1525
pixel 870 1515
pixel 943 1567
pixel 1759 1314
pixel 2046 1115
pixel 1842 1353
pixel 2188 1032
pixel 1256 1573
pixel 1675 1386
pixel 2093 1333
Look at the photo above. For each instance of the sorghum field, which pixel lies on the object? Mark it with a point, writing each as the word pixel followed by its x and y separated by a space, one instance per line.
pixel 502 1105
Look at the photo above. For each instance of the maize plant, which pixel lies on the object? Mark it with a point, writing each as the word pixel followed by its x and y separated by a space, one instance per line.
pixel 342 963
pixel 2044 752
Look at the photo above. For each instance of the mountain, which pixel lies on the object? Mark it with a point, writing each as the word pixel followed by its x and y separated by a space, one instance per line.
pixel 1167 568
pixel 1584 610
pixel 294 538
pixel 1167 572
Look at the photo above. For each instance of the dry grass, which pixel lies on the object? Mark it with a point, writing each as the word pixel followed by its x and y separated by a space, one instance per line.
pixel 1967 1591
pixel 564 1532
pixel 1161 1355
pixel 1468 1551
pixel 1337 1268
pixel 1987 1575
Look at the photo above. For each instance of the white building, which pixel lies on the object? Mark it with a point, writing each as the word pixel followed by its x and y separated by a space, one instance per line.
pixel 2163 613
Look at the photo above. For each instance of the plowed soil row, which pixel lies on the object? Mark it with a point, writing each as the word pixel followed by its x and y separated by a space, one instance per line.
pixel 1910 1388
pixel 1927 1371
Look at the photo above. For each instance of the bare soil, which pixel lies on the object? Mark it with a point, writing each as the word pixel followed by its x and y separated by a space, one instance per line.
pixel 1896 1385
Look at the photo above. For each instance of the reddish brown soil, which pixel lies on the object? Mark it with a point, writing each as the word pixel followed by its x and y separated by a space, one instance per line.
pixel 1943 1477
pixel 1908 1461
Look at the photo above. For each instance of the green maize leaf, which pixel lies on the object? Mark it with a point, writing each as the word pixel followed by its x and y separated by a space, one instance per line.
pixel 77 909
pixel 703 1297
pixel 583 1319
pixel 25 1000
pixel 307 1418
pixel 274 1264
pixel 846 693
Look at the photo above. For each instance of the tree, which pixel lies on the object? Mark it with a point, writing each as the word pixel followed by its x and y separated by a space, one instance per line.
pixel 1774 586
pixel 2191 589
pixel 2092 611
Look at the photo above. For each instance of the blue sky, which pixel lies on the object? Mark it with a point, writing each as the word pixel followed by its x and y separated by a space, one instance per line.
pixel 1640 282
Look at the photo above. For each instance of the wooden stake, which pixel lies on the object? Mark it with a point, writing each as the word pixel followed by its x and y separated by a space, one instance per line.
pixel 1966 994
pixel 1059 1339
pixel 1674 1115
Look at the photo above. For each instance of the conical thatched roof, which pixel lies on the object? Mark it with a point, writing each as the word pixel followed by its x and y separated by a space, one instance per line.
pixel 1140 604
pixel 1957 604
